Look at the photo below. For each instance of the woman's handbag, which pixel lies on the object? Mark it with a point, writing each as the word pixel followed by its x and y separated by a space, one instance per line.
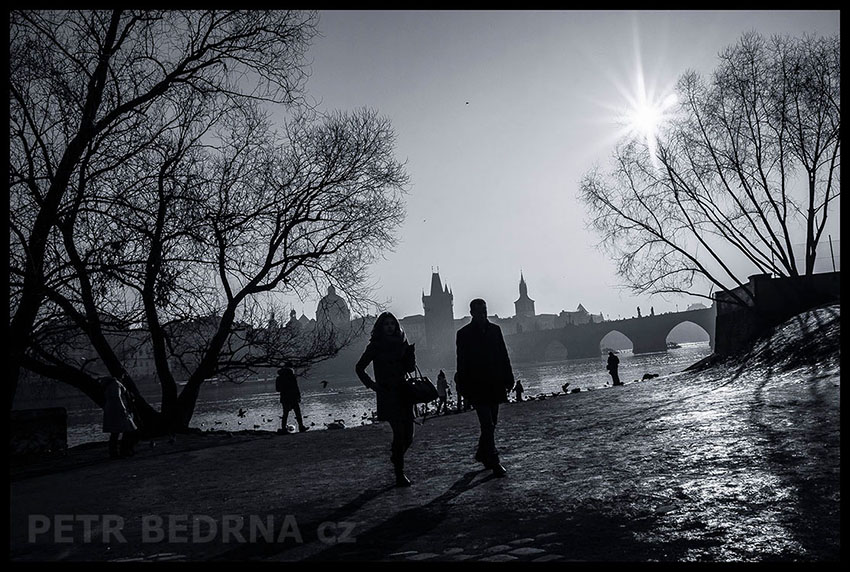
pixel 419 389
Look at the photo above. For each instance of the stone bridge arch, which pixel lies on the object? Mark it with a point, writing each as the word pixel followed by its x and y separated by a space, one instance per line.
pixel 680 325
pixel 608 340
pixel 647 334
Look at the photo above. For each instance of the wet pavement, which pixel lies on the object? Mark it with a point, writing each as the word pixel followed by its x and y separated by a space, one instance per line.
pixel 733 463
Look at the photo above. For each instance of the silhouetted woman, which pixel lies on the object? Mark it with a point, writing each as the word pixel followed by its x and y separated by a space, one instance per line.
pixel 391 357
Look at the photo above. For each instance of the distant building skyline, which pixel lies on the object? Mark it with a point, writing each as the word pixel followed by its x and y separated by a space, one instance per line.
pixel 435 328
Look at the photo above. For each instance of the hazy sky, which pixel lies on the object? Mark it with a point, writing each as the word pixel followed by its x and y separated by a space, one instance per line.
pixel 494 182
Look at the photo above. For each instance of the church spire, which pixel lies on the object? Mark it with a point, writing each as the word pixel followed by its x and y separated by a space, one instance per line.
pixel 524 306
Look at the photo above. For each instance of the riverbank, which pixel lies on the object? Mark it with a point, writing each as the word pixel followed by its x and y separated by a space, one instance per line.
pixel 256 405
pixel 739 461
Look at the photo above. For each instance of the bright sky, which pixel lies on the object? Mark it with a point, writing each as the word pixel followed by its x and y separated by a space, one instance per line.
pixel 494 181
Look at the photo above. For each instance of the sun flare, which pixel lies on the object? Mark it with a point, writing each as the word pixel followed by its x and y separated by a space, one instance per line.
pixel 645 116
pixel 641 106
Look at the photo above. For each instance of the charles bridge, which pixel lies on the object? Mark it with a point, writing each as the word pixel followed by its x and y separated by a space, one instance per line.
pixel 647 334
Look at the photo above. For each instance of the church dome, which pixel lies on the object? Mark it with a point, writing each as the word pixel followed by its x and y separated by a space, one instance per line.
pixel 332 310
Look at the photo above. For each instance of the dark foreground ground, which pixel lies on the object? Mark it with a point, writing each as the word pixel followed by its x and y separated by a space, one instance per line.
pixel 736 462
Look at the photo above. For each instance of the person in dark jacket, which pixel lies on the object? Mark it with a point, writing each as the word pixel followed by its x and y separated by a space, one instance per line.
pixel 484 377
pixel 391 357
pixel 290 396
pixel 613 364
pixel 118 417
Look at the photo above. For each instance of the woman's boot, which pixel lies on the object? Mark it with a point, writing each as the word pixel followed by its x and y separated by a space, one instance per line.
pixel 401 479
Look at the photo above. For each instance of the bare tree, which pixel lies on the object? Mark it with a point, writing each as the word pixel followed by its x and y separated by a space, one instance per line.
pixel 749 165
pixel 178 246
pixel 83 87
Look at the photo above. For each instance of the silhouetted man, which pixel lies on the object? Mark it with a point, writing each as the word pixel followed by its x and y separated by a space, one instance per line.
pixel 484 378
pixel 613 364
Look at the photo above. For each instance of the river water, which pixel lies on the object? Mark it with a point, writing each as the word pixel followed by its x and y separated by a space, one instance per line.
pixel 345 399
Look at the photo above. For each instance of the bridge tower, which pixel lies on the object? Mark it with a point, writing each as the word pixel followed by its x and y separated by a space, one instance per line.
pixel 439 317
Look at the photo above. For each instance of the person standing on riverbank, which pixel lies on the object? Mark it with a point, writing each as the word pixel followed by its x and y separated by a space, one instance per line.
pixel 290 397
pixel 458 395
pixel 484 378
pixel 442 393
pixel 391 357
pixel 613 364
pixel 519 390
pixel 118 418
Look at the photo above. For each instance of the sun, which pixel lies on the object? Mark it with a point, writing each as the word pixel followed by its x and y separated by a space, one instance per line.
pixel 644 120
pixel 641 106
pixel 646 114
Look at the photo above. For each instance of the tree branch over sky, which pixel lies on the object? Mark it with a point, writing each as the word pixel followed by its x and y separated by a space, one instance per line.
pixel 748 167
pixel 152 194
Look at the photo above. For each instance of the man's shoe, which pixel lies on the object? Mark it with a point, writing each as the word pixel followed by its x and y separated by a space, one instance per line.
pixel 499 470
pixel 401 480
pixel 303 428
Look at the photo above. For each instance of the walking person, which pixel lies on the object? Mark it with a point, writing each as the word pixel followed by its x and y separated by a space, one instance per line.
pixel 391 357
pixel 118 418
pixel 442 393
pixel 484 377
pixel 290 397
pixel 613 364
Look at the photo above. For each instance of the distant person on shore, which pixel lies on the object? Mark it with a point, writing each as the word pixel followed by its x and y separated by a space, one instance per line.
pixel 118 418
pixel 458 395
pixel 290 397
pixel 391 357
pixel 613 364
pixel 484 378
pixel 519 389
pixel 442 393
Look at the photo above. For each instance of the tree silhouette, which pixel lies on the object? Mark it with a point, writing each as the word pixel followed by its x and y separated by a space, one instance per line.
pixel 179 219
pixel 749 165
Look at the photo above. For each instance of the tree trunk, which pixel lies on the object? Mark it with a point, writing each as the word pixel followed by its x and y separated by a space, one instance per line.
pixel 32 294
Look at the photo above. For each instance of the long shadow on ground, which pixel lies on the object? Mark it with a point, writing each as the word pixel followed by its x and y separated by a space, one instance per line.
pixel 308 530
pixel 405 526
